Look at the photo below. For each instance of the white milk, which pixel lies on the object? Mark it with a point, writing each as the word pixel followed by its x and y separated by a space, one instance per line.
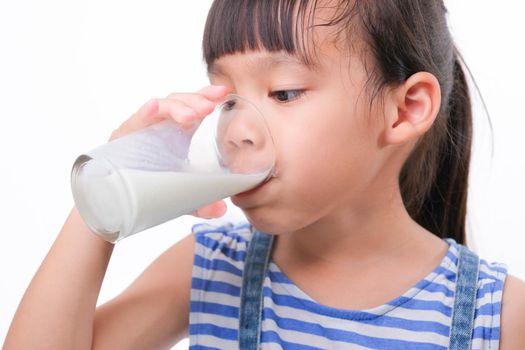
pixel 155 197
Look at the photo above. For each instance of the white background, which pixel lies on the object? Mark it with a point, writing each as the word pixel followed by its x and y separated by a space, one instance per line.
pixel 72 71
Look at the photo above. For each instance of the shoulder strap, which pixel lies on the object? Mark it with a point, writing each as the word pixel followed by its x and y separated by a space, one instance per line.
pixel 253 275
pixel 465 300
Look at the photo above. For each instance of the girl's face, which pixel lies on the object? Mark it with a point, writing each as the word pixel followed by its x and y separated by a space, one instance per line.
pixel 327 151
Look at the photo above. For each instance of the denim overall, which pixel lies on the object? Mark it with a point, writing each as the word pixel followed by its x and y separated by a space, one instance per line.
pixel 255 271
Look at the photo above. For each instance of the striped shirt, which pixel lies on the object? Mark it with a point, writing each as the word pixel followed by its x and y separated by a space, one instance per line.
pixel 419 319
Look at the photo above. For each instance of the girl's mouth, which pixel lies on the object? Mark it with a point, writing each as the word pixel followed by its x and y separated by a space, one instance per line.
pixel 255 189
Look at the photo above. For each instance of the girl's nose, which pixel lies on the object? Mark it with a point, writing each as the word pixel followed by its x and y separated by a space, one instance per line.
pixel 243 135
pixel 244 141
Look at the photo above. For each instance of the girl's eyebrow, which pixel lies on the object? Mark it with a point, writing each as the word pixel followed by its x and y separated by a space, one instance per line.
pixel 266 62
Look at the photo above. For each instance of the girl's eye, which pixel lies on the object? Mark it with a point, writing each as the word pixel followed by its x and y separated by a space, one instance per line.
pixel 286 95
pixel 228 105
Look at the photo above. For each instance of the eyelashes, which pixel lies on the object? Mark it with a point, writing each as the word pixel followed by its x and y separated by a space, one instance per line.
pixel 286 96
pixel 281 96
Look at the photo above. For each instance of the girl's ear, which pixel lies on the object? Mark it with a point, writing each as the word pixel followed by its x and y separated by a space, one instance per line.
pixel 412 108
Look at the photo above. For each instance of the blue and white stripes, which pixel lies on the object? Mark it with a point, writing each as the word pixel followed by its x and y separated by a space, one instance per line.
pixel 419 319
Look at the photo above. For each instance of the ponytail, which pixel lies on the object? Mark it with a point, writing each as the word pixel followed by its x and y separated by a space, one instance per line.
pixel 443 210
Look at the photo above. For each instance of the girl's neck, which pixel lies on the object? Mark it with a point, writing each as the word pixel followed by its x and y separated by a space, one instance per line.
pixel 359 261
pixel 357 237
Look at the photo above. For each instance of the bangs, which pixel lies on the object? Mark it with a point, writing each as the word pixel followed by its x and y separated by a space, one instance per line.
pixel 235 26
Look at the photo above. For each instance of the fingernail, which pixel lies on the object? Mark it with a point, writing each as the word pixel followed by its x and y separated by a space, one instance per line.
pixel 150 106
pixel 218 87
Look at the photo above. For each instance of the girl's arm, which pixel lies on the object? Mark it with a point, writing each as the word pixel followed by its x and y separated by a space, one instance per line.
pixel 58 308
pixel 152 313
pixel 513 315
pixel 56 311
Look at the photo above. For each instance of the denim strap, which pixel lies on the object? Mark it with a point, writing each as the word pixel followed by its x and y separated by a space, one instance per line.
pixel 465 300
pixel 253 275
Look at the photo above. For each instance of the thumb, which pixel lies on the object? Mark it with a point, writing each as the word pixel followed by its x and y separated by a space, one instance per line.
pixel 211 211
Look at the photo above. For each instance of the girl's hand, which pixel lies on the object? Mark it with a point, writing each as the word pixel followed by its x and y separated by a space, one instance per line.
pixel 187 109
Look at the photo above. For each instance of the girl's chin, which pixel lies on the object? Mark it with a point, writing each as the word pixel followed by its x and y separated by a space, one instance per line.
pixel 269 220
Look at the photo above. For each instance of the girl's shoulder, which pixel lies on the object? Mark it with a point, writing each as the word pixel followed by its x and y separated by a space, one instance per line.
pixel 222 241
pixel 513 309
pixel 490 272
pixel 491 284
pixel 500 306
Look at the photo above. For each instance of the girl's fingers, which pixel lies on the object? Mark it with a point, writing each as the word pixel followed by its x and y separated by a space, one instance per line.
pixel 185 108
pixel 214 92
pixel 211 211
pixel 203 102
pixel 189 109
pixel 141 119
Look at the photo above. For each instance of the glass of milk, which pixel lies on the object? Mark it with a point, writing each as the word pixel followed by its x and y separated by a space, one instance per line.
pixel 164 171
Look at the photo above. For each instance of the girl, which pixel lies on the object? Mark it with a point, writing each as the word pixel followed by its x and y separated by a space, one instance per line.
pixel 356 242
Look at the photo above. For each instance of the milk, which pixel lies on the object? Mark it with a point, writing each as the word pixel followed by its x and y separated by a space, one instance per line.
pixel 149 198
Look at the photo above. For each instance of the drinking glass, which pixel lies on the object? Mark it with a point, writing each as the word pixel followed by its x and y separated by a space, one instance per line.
pixel 164 171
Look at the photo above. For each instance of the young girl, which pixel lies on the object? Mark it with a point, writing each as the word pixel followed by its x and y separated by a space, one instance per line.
pixel 356 242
